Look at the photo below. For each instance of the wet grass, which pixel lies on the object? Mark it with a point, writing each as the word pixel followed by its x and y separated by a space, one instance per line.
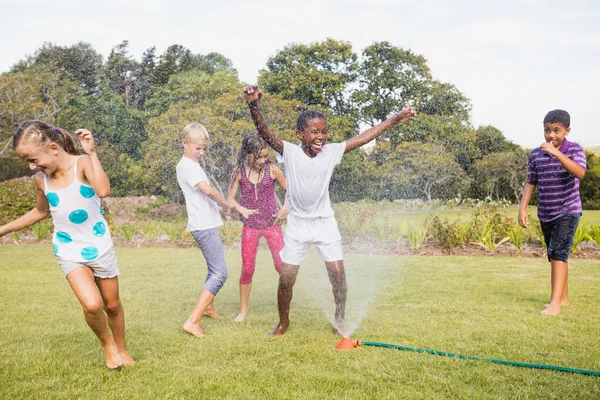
pixel 486 307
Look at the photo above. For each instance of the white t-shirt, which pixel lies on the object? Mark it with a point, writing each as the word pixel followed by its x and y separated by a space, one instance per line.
pixel 308 179
pixel 203 213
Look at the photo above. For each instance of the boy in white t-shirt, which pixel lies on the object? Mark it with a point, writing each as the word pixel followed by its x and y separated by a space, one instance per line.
pixel 202 203
pixel 308 170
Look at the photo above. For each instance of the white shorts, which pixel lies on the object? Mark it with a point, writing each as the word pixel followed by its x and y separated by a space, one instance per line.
pixel 302 232
pixel 105 266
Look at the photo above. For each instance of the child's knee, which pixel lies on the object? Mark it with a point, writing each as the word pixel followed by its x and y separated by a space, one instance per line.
pixel 113 307
pixel 93 307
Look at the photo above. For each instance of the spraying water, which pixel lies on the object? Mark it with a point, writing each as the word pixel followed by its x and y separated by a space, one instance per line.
pixel 364 280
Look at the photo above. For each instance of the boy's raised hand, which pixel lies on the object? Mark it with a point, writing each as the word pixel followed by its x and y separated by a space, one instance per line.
pixel 88 143
pixel 252 93
pixel 549 148
pixel 406 114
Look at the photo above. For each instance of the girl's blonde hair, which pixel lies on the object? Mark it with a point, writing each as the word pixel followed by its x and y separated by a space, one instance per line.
pixel 42 134
pixel 196 133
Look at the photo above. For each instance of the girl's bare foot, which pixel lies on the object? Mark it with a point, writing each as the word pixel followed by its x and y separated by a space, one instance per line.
pixel 111 353
pixel 127 359
pixel 241 317
pixel 192 329
pixel 279 330
pixel 551 311
pixel 212 313
pixel 562 304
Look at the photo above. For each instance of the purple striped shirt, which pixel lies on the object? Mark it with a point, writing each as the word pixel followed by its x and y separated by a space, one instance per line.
pixel 558 191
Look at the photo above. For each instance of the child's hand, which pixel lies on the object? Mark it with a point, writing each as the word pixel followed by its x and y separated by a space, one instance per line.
pixel 88 143
pixel 281 216
pixel 549 148
pixel 252 93
pixel 406 114
pixel 523 219
pixel 244 212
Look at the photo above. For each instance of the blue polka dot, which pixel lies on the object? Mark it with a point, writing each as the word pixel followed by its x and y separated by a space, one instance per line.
pixel 86 191
pixel 100 229
pixel 78 216
pixel 63 237
pixel 101 210
pixel 55 248
pixel 89 253
pixel 53 199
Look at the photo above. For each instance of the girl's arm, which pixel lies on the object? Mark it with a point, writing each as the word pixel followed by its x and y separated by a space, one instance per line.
pixel 214 195
pixel 41 211
pixel 283 212
pixel 527 193
pixel 91 166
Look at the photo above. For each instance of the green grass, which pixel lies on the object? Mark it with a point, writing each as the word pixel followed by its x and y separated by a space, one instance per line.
pixel 486 307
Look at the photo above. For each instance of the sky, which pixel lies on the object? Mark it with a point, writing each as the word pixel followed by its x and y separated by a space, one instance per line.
pixel 515 59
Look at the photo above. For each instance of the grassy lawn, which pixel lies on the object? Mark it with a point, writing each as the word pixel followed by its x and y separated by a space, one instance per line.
pixel 485 307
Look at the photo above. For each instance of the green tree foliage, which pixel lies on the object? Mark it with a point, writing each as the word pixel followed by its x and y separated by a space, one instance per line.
pixel 491 140
pixel 31 94
pixel 143 78
pixel 417 170
pixel 316 74
pixel 120 68
pixel 590 185
pixel 500 175
pixel 79 63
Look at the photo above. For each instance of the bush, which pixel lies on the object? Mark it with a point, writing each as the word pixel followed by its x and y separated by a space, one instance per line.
pixel 17 198
pixel 13 167
pixel 448 234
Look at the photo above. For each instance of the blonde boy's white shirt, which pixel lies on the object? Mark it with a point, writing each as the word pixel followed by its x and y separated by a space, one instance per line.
pixel 203 212
pixel 308 179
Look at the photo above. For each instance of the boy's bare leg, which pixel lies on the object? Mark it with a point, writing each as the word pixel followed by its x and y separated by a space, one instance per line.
pixel 244 299
pixel 337 277
pixel 560 270
pixel 565 294
pixel 211 312
pixel 285 292
pixel 192 325
pixel 83 283
pixel 109 290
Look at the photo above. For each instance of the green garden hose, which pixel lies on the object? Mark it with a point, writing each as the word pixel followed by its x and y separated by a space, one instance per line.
pixel 504 362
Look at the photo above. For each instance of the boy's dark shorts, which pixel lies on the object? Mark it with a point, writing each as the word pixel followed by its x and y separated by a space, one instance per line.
pixel 558 235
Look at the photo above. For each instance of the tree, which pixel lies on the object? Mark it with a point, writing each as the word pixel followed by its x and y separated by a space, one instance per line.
pixel 491 140
pixel 143 78
pixel 590 184
pixel 31 94
pixel 212 63
pixel 389 78
pixel 120 68
pixel 417 170
pixel 174 60
pixel 79 63
pixel 317 74
pixel 500 175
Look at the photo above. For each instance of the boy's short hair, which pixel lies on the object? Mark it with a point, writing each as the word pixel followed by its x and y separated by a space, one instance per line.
pixel 196 133
pixel 306 116
pixel 558 116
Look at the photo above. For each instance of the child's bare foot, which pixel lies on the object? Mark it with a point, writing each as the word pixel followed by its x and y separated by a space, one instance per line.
pixel 111 353
pixel 127 359
pixel 562 304
pixel 279 330
pixel 211 312
pixel 551 311
pixel 192 329
pixel 241 317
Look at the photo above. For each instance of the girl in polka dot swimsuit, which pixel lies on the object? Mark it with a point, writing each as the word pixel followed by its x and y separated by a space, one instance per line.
pixel 69 186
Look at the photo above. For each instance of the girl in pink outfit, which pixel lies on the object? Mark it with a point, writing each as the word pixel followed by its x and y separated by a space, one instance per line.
pixel 255 176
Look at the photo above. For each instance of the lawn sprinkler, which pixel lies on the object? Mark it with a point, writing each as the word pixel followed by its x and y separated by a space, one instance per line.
pixel 348 344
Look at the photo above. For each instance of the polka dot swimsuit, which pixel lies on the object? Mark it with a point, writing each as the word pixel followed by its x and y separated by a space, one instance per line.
pixel 80 232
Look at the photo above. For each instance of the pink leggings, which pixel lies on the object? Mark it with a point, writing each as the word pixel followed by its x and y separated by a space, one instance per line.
pixel 250 237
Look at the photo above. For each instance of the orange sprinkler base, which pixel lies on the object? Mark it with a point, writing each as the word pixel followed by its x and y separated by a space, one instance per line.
pixel 348 344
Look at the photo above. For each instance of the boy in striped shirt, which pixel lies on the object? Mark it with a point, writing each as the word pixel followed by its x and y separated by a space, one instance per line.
pixel 556 167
